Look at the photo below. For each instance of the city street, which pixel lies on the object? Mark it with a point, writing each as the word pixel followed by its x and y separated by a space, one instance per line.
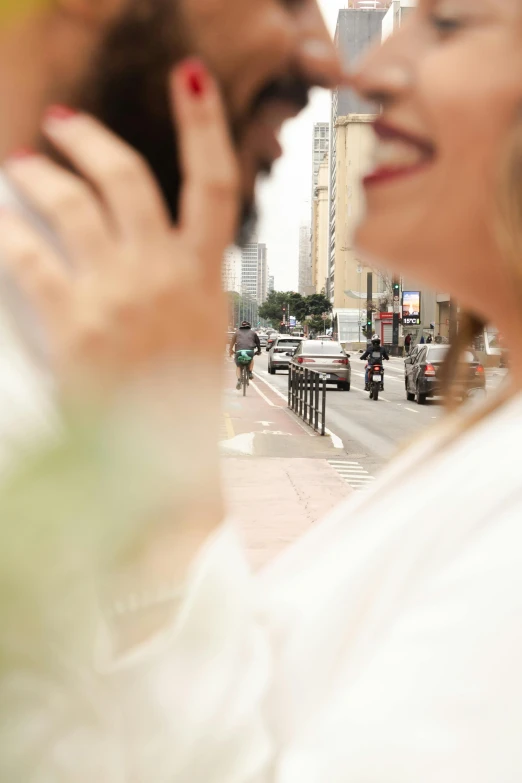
pixel 373 431
pixel 281 477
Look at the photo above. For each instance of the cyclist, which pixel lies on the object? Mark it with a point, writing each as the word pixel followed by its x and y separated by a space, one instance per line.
pixel 245 340
pixel 371 352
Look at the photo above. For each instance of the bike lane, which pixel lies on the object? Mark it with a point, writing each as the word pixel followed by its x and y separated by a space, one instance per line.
pixel 277 475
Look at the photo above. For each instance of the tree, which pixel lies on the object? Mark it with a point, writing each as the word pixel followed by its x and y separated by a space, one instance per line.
pixel 319 325
pixel 280 304
pixel 299 306
pixel 317 304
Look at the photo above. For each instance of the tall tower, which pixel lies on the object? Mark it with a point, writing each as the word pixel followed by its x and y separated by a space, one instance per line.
pixel 254 271
pixel 305 261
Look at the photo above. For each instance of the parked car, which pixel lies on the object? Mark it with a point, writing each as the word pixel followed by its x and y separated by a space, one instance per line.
pixel 326 357
pixel 271 340
pixel 422 373
pixel 281 352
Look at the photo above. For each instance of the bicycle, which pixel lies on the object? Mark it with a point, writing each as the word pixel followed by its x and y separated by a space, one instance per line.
pixel 244 360
pixel 245 381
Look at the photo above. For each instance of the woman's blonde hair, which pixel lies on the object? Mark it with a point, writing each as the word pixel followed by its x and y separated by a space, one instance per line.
pixel 508 229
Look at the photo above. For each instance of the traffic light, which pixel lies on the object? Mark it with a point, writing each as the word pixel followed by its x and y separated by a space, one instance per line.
pixel 396 289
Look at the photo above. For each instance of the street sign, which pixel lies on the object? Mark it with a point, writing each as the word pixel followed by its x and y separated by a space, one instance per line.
pixel 292 320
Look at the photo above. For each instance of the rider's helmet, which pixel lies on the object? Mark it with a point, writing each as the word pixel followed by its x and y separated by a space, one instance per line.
pixel 246 325
pixel 376 340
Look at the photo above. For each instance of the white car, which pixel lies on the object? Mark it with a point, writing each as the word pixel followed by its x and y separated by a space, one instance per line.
pixel 281 352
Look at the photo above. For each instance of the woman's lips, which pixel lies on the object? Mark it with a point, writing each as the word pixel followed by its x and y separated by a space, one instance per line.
pixel 397 154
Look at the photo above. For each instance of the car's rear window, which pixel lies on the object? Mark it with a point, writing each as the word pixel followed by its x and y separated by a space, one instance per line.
pixel 317 348
pixel 437 352
pixel 288 342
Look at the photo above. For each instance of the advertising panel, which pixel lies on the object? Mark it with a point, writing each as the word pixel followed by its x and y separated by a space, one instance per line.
pixel 411 308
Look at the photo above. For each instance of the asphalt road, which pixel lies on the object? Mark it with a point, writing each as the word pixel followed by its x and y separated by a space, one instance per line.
pixel 373 431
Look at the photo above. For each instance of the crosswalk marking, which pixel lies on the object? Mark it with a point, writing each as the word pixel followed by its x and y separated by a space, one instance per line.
pixel 352 473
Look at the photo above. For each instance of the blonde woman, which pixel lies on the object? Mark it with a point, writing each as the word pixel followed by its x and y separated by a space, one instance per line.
pixel 386 645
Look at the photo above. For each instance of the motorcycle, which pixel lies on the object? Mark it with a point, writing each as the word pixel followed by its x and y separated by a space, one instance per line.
pixel 375 380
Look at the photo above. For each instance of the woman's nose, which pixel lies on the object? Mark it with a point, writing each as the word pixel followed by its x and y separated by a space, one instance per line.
pixel 383 75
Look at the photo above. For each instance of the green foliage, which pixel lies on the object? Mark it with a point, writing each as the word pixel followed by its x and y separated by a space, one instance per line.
pixel 318 326
pixel 298 305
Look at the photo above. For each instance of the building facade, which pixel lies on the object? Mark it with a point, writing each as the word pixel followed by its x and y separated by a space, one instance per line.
pixel 305 262
pixel 358 27
pixel 232 270
pixel 320 149
pixel 271 284
pixel 320 223
pixel 254 271
pixel 262 274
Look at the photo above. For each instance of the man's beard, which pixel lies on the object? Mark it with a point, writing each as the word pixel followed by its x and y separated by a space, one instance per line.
pixel 127 88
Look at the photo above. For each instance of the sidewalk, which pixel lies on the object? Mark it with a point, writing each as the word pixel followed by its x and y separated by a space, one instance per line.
pixel 276 469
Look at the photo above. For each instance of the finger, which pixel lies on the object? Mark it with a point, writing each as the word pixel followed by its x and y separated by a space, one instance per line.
pixel 68 205
pixel 118 173
pixel 210 197
pixel 34 264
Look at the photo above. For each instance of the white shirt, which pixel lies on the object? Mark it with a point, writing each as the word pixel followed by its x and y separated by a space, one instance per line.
pixel 384 647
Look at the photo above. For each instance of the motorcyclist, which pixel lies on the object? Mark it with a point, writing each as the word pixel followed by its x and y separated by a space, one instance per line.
pixel 245 340
pixel 370 353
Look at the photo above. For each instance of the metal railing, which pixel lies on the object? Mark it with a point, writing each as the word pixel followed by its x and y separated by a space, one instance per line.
pixel 307 396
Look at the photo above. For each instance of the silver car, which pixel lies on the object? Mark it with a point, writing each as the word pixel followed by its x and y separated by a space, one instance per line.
pixel 326 357
pixel 281 352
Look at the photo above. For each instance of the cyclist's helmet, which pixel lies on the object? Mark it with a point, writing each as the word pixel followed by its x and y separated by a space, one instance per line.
pixel 376 340
pixel 246 325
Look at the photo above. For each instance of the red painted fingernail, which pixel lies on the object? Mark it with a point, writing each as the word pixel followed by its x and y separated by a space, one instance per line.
pixel 195 77
pixel 21 153
pixel 60 112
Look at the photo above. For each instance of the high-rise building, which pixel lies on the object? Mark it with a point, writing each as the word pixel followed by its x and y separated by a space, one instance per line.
pixel 232 270
pixel 320 224
pixel 320 148
pixel 271 284
pixel 350 148
pixel 305 262
pixel 262 275
pixel 254 271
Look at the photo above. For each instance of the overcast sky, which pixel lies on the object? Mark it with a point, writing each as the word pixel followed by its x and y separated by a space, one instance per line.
pixel 284 199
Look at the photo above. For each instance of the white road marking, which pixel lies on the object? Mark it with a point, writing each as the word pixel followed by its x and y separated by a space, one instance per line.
pixel 412 410
pixel 352 473
pixel 253 385
pixel 274 389
pixel 241 444
pixel 336 440
pixel 265 423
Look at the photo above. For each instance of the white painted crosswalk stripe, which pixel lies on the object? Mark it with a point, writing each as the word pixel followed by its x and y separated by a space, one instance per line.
pixel 352 473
